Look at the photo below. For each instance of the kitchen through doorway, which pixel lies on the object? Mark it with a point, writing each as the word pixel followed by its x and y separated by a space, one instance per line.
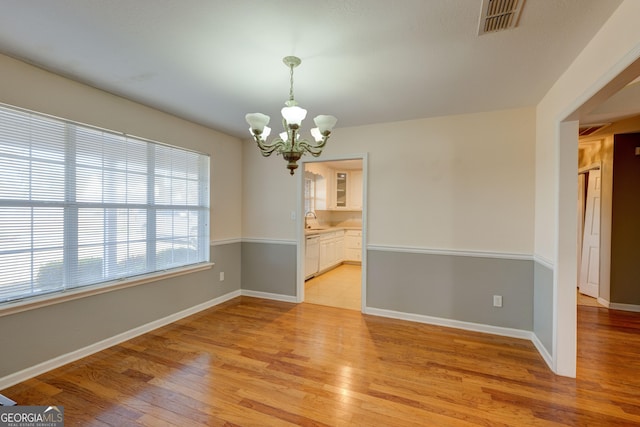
pixel 333 194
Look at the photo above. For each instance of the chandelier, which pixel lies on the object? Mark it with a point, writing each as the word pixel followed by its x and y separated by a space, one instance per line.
pixel 288 143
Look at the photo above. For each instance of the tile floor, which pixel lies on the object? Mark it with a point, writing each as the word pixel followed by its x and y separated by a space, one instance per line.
pixel 340 287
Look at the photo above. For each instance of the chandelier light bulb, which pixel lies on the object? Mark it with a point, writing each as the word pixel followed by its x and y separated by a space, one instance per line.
pixel 294 115
pixel 266 132
pixel 315 133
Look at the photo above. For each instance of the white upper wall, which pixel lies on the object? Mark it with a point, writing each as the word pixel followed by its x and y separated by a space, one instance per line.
pixel 462 182
pixel 25 86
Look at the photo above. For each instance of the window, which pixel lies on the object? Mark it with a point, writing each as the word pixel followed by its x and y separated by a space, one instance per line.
pixel 82 206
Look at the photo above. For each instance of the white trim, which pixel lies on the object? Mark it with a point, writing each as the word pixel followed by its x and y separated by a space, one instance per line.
pixel 220 242
pixel 56 362
pixel 452 252
pixel 450 323
pixel 87 291
pixel 623 307
pixel 593 166
pixel 268 295
pixel 542 350
pixel 269 241
pixel 544 261
pixel 603 302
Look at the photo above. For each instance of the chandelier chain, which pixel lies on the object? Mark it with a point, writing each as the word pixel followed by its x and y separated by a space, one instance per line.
pixel 291 83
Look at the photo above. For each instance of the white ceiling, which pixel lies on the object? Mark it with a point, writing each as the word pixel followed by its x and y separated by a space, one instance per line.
pixel 364 61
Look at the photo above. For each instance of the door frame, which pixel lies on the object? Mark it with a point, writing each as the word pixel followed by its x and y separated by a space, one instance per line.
pixel 300 236
pixel 565 275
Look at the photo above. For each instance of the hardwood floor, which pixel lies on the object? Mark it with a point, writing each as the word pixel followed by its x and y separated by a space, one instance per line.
pixel 587 300
pixel 254 362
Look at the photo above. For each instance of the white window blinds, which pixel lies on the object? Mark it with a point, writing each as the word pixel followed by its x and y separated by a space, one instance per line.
pixel 82 206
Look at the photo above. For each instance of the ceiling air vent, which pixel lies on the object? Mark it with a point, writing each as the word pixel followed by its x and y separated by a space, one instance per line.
pixel 499 15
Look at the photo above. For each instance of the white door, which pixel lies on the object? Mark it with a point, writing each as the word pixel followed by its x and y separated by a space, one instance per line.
pixel 590 267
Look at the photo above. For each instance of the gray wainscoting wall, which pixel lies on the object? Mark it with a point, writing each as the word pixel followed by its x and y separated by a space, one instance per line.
pixel 454 287
pixel 35 336
pixel 543 305
pixel 269 267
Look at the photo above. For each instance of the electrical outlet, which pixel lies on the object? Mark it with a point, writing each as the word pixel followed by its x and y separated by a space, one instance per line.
pixel 497 300
pixel 293 215
pixel 222 276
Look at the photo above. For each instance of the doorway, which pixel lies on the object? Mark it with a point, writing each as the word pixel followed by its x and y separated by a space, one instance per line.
pixel 564 327
pixel 332 233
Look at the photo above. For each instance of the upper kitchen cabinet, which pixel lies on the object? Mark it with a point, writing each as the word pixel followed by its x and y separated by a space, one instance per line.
pixel 355 196
pixel 342 189
pixel 346 190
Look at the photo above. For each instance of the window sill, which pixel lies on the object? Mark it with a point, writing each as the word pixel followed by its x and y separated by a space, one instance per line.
pixel 59 297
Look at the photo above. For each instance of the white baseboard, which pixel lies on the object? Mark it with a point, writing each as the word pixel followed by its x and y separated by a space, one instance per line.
pixel 624 307
pixel 542 350
pixel 458 324
pixel 468 326
pixel 268 295
pixel 56 362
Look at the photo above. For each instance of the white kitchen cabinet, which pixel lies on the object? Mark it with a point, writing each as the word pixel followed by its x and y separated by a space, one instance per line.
pixel 341 189
pixel 345 190
pixel 355 191
pixel 339 238
pixel 331 249
pixel 353 245
pixel 327 251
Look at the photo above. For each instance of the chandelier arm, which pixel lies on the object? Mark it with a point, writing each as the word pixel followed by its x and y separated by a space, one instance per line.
pixel 268 149
pixel 314 149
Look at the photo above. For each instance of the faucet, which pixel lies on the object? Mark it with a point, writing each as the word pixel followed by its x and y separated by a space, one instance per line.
pixel 306 215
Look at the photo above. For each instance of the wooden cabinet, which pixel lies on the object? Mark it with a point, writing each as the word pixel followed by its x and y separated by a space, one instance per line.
pixel 353 245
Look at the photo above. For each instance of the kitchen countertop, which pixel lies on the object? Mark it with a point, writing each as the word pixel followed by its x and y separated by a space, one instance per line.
pixel 311 232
